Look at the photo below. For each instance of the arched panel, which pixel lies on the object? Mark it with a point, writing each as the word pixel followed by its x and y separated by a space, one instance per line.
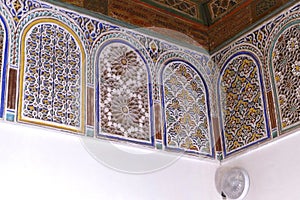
pixel 52 76
pixel 242 103
pixel 4 45
pixel 124 93
pixel 186 111
pixel 285 66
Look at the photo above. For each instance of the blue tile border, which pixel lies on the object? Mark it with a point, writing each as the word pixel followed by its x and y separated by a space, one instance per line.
pixel 10 115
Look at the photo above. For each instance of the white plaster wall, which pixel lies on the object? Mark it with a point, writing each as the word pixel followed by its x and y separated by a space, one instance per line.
pixel 41 164
pixel 273 169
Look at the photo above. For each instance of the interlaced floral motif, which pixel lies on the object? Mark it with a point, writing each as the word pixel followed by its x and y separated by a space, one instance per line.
pixel 52 76
pixel 286 65
pixel 186 109
pixel 241 104
pixel 92 28
pixel 124 106
pixel 18 8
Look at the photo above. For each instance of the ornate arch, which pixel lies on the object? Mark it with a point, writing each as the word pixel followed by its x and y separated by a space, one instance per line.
pixel 124 106
pixel 52 75
pixel 185 105
pixel 284 64
pixel 242 102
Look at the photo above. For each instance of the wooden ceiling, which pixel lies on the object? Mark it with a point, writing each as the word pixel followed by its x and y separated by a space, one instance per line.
pixel 209 22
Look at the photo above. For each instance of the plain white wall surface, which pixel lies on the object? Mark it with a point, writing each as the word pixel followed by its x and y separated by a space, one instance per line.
pixel 273 169
pixel 42 164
